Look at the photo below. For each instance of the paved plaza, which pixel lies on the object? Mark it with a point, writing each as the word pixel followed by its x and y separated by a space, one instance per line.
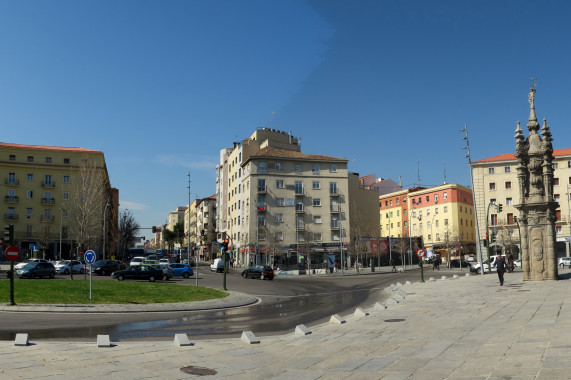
pixel 453 328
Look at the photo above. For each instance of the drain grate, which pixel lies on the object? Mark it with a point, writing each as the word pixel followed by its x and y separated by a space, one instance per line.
pixel 395 320
pixel 199 371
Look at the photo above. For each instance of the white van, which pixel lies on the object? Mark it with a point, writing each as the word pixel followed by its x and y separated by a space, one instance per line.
pixel 217 265
pixel 137 261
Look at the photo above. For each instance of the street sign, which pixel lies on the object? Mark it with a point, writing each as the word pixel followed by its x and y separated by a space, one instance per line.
pixel 12 253
pixel 420 252
pixel 89 257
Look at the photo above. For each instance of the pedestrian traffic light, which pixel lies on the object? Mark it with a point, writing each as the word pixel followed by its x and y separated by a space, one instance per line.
pixel 9 233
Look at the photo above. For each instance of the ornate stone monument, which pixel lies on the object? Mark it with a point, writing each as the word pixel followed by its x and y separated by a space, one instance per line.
pixel 537 207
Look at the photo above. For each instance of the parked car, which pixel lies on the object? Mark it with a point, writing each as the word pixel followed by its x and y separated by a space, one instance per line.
pixel 167 271
pixel 139 272
pixel 164 261
pixel 179 269
pixel 105 267
pixel 137 261
pixel 150 262
pixel 565 261
pixel 517 263
pixel 66 266
pixel 37 269
pixel 217 265
pixel 24 263
pixel 478 268
pixel 259 271
pixel 455 263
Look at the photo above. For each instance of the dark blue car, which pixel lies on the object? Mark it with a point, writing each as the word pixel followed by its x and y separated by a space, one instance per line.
pixel 183 270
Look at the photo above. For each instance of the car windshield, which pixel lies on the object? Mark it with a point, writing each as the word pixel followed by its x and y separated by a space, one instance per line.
pixel 66 262
pixel 30 265
pixel 137 260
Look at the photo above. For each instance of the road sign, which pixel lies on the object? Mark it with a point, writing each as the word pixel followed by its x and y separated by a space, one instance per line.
pixel 12 253
pixel 420 252
pixel 89 257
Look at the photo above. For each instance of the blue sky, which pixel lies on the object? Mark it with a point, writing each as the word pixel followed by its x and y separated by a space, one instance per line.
pixel 161 86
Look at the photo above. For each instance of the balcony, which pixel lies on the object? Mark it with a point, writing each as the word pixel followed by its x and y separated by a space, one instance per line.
pixel 300 226
pixel 262 189
pixel 334 192
pixel 12 182
pixel 47 219
pixel 48 201
pixel 262 207
pixel 335 224
pixel 48 184
pixel 299 208
pixel 11 217
pixel 298 191
pixel 334 209
pixel 11 199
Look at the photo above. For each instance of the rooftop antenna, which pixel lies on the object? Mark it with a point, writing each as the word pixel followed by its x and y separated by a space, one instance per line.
pixel 444 164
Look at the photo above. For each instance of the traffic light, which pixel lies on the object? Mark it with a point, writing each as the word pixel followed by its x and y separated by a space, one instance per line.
pixel 9 233
pixel 225 244
pixel 202 233
pixel 500 207
pixel 154 229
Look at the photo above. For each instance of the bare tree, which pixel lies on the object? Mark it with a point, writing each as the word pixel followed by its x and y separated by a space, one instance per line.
pixel 128 229
pixel 44 239
pixel 87 203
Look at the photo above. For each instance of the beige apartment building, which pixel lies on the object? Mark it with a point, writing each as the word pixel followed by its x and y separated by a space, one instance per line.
pixel 442 215
pixel 496 182
pixel 47 189
pixel 201 214
pixel 285 206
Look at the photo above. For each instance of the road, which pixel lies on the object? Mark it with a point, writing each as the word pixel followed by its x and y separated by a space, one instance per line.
pixel 285 303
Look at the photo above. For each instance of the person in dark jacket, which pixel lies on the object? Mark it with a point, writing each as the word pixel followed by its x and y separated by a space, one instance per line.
pixel 500 265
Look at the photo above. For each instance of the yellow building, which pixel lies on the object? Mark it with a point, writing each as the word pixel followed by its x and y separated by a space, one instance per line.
pixel 48 189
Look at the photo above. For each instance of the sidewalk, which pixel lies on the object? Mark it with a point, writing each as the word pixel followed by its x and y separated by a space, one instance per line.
pixel 464 328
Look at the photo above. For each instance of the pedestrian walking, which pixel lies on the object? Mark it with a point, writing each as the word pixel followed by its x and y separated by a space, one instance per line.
pixel 500 265
pixel 394 269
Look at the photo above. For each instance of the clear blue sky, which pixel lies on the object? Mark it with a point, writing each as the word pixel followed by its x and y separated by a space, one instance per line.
pixel 161 86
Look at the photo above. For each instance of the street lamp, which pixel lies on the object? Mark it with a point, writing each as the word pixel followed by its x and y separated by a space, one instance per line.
pixel 568 222
pixel 104 212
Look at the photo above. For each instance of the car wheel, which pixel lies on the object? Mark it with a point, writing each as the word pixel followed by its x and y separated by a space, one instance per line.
pixel 66 271
pixel 185 275
pixel 478 271
pixel 52 275
pixel 81 271
pixel 103 273
pixel 244 275
pixel 152 279
pixel 262 277
pixel 33 275
pixel 120 278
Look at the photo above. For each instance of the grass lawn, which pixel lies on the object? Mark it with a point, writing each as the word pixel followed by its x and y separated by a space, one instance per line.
pixel 67 291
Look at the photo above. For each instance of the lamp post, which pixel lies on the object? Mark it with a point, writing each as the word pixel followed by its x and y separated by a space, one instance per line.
pixel 104 212
pixel 467 147
pixel 568 222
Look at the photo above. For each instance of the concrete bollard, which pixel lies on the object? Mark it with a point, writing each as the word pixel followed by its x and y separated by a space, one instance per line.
pixel 302 330
pixel 21 340
pixel 181 340
pixel 379 306
pixel 249 337
pixel 336 319
pixel 103 341
pixel 360 312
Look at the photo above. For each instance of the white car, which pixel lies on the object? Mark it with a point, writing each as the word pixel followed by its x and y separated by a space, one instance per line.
pixel 24 263
pixel 564 261
pixel 217 265
pixel 66 266
pixel 164 261
pixel 137 261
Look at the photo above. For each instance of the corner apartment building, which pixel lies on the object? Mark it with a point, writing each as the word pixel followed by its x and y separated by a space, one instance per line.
pixel 42 188
pixel 496 182
pixel 443 215
pixel 202 227
pixel 280 202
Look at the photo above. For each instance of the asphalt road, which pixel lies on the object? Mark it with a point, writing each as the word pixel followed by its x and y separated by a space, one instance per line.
pixel 285 303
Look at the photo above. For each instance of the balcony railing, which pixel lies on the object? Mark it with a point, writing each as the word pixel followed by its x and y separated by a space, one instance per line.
pixel 262 207
pixel 12 182
pixel 300 226
pixel 48 201
pixel 11 217
pixel 333 192
pixel 334 208
pixel 262 189
pixel 47 219
pixel 48 184
pixel 10 199
pixel 299 208
pixel 334 225
pixel 298 191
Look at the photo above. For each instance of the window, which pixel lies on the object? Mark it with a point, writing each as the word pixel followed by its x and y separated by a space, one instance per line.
pixel 29 194
pixel 30 177
pixel 65 196
pixel 334 169
pixel 436 222
pixel 490 170
pixel 445 209
pixel 554 165
pixel 279 166
pixel 398 199
pixel 558 229
pixel 557 214
pixel 65 179
pixel 317 219
pixel 316 185
pixel 279 236
pixel 30 158
pixel 509 202
pixel 428 198
pixel 427 213
pixel 436 210
pixel 13 158
pixel 298 187
pixel 445 195
pixel 262 167
pixel 507 169
pixel 435 198
pixel 334 205
pixel 333 187
pixel 298 169
pixel 494 219
pixel 280 202
pixel 317 236
pixel 405 224
pixel 262 185
pixel 12 179
pixel 280 184
pixel 391 202
pixel 508 185
pixel 428 225
pixel 48 180
pixel 556 198
pixel 316 202
pixel 48 160
pixel 66 161
pixel 493 201
pixel 555 181
pixel 492 186
pixel 315 169
pixel 445 222
pixel 29 212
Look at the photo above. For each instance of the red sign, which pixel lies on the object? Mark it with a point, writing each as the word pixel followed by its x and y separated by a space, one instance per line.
pixel 420 253
pixel 12 253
